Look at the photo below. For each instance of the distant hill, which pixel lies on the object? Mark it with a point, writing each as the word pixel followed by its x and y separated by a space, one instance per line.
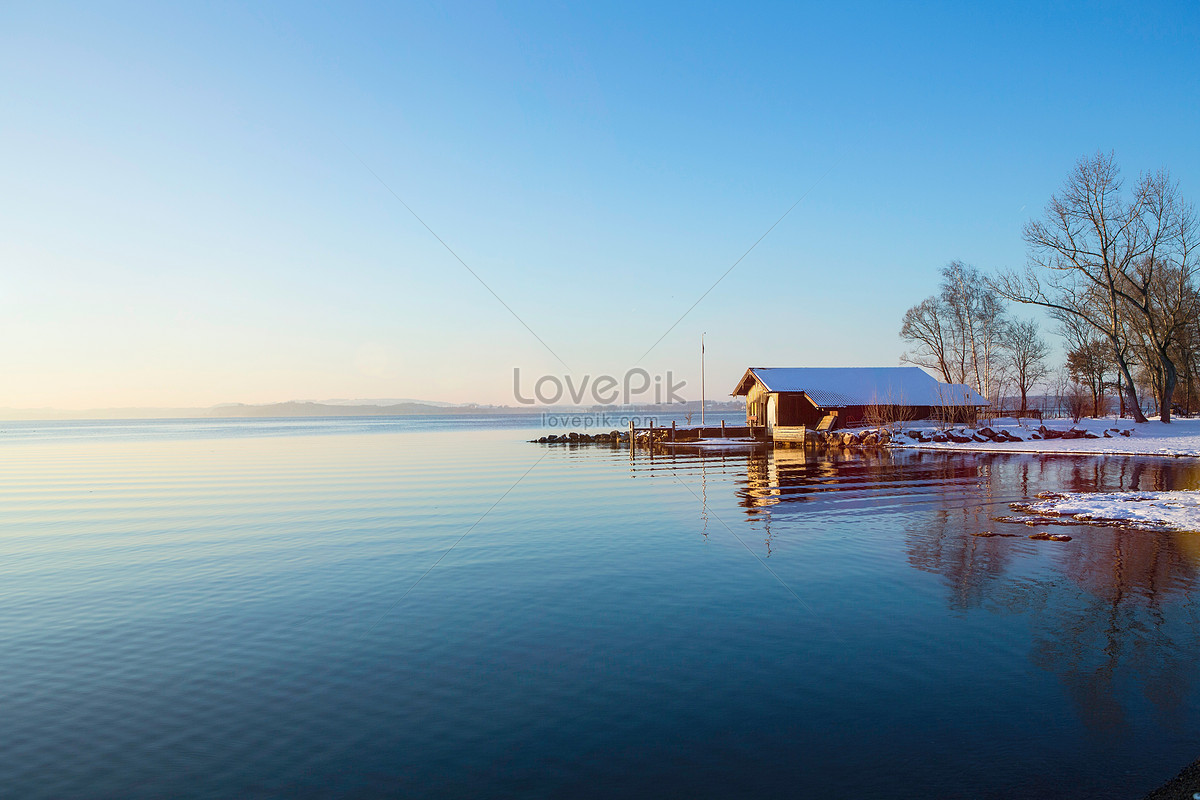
pixel 306 409
pixel 389 401
pixel 343 408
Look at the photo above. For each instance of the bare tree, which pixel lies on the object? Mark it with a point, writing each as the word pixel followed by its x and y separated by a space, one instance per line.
pixel 1087 245
pixel 960 331
pixel 1187 354
pixel 1161 287
pixel 979 322
pixel 925 326
pixel 1126 266
pixel 1089 360
pixel 1060 384
pixel 1076 397
pixel 1027 353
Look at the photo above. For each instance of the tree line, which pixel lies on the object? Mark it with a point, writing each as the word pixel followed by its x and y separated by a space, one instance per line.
pixel 1116 268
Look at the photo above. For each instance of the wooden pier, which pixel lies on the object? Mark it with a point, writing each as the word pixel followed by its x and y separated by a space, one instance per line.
pixel 677 435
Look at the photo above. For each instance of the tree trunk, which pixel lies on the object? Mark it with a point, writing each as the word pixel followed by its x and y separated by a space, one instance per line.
pixel 1135 408
pixel 1170 378
pixel 1187 376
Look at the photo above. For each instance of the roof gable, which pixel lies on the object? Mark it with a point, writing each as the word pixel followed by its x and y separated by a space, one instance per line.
pixel 835 387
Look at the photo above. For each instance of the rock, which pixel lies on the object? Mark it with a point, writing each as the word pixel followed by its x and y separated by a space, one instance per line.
pixel 1090 435
pixel 1036 436
pixel 884 437
pixel 1107 435
pixel 1051 537
pixel 573 436
pixel 543 440
pixel 956 438
pixel 987 433
pixel 1126 432
pixel 940 437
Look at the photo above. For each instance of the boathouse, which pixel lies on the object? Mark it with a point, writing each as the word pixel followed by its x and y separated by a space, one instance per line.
pixel 786 400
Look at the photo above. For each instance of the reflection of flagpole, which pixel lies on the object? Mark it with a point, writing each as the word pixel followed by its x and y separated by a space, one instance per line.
pixel 702 380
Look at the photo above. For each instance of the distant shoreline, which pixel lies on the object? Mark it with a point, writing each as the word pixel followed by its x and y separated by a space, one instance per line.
pixel 302 409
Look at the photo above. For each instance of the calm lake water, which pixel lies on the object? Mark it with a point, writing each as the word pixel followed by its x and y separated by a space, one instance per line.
pixel 439 608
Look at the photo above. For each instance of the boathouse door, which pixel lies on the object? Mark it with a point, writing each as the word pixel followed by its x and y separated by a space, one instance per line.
pixel 772 412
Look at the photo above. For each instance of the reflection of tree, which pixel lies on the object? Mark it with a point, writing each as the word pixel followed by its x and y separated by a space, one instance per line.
pixel 944 546
pixel 940 542
pixel 1120 631
pixel 1115 474
pixel 1129 625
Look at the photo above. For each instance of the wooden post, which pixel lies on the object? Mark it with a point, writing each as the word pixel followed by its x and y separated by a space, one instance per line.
pixel 672 431
pixel 632 437
pixel 722 429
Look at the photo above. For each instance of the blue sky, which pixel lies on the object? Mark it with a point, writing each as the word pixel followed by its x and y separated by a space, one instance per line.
pixel 186 219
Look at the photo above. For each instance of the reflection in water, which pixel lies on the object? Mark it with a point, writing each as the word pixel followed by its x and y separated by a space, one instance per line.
pixel 243 599
pixel 1132 622
pixel 1110 613
pixel 944 546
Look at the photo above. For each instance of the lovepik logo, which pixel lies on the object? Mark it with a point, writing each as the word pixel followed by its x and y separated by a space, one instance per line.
pixel 636 385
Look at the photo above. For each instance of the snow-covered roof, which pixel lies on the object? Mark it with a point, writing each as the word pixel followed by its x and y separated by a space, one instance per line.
pixel 836 387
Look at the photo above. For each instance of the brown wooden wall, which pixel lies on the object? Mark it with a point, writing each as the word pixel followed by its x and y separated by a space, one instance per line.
pixel 797 409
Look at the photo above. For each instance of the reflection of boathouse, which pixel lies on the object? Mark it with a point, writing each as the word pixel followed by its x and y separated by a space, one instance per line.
pixel 784 401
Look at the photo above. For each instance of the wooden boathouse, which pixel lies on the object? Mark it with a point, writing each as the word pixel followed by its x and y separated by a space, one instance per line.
pixel 783 402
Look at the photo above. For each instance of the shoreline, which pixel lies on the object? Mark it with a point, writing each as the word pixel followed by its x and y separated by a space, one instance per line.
pixel 1092 437
pixel 965 448
pixel 1182 787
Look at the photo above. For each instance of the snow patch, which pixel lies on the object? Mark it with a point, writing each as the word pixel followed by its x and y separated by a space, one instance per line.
pixel 1158 511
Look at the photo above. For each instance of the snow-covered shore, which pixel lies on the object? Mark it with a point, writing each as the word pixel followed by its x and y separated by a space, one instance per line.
pixel 1179 511
pixel 1181 437
pixel 1158 511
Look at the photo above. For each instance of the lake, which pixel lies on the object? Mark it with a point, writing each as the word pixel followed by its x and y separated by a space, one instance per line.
pixel 436 607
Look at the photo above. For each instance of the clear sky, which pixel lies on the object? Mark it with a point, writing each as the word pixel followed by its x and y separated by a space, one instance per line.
pixel 186 218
